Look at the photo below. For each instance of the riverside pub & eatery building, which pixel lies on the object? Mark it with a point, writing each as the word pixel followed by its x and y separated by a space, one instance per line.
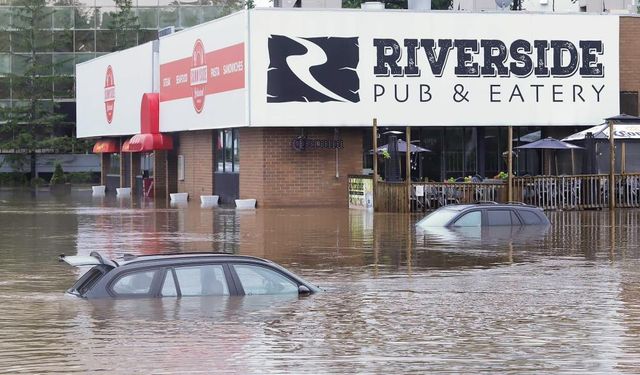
pixel 277 105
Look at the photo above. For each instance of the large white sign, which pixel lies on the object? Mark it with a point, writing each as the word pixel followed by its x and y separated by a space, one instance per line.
pixel 343 68
pixel 109 91
pixel 203 76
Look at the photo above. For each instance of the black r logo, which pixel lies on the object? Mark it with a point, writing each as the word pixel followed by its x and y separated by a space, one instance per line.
pixel 313 69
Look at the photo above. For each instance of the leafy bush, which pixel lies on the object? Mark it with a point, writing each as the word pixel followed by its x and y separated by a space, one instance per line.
pixel 13 179
pixel 502 175
pixel 38 181
pixel 58 175
pixel 80 177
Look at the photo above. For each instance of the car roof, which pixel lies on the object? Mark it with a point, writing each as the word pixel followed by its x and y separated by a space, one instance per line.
pixel 464 207
pixel 169 258
pixel 94 258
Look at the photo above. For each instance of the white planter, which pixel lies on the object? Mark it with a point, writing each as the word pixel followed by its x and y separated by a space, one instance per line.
pixel 246 203
pixel 209 200
pixel 179 197
pixel 179 204
pixel 123 192
pixel 98 190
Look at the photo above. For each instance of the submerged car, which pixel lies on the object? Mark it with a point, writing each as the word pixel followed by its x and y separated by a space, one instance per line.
pixel 485 214
pixel 181 275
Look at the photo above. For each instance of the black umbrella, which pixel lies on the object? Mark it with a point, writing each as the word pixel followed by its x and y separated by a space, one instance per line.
pixel 552 144
pixel 402 147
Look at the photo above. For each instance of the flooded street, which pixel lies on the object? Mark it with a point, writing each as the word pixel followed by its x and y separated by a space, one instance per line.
pixel 397 299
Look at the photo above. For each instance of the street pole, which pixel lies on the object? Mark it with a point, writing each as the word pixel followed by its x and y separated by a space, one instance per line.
pixel 510 164
pixel 612 167
pixel 375 162
pixel 408 168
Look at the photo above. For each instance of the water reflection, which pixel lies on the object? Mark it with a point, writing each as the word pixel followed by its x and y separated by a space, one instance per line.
pixel 561 299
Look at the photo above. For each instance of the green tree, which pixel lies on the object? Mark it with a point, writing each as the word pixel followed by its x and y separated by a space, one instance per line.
pixel 29 124
pixel 58 175
pixel 125 25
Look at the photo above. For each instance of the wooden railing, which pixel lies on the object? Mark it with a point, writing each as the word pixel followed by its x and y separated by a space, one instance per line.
pixel 577 192
pixel 391 197
pixel 628 190
pixel 430 195
pixel 548 192
pixel 562 192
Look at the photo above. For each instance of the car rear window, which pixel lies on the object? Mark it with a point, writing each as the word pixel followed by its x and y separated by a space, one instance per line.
pixel 88 280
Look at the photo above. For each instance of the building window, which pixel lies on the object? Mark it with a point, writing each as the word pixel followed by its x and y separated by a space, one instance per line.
pixel 114 164
pixel 146 164
pixel 227 151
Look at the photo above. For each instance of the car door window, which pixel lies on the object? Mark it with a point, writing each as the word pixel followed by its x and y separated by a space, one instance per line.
pixel 471 219
pixel 530 217
pixel 498 217
pixel 207 280
pixel 169 286
pixel 135 283
pixel 257 280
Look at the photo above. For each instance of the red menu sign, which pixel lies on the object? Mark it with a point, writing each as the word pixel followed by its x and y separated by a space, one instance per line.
pixel 203 73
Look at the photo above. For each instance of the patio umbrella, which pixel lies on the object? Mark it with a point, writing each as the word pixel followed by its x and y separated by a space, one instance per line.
pixel 402 147
pixel 552 144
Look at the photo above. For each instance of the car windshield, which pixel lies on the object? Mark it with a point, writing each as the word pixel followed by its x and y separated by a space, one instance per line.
pixel 438 218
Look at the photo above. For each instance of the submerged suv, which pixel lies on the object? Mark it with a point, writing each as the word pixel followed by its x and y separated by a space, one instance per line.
pixel 181 275
pixel 485 214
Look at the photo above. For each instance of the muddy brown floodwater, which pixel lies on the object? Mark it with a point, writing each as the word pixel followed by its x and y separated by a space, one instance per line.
pixel 397 299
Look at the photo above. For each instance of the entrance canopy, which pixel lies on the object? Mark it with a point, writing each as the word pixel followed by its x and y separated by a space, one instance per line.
pixel 148 142
pixel 620 131
pixel 106 146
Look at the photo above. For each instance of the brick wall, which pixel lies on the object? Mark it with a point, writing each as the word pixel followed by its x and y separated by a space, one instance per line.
pixel 197 149
pixel 252 166
pixel 277 175
pixel 629 54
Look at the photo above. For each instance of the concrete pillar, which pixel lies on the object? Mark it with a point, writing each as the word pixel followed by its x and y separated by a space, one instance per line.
pixel 123 170
pixel 105 165
pixel 172 171
pixel 160 180
pixel 135 170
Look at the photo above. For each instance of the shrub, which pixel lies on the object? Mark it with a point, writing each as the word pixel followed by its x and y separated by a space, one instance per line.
pixel 38 181
pixel 13 179
pixel 80 177
pixel 58 175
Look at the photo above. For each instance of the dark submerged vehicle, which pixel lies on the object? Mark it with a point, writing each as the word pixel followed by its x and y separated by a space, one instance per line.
pixel 181 275
pixel 485 214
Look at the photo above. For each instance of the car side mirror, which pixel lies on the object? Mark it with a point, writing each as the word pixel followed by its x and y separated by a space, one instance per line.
pixel 302 289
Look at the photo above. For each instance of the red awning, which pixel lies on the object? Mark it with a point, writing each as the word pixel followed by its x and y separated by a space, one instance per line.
pixel 148 142
pixel 125 146
pixel 106 146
